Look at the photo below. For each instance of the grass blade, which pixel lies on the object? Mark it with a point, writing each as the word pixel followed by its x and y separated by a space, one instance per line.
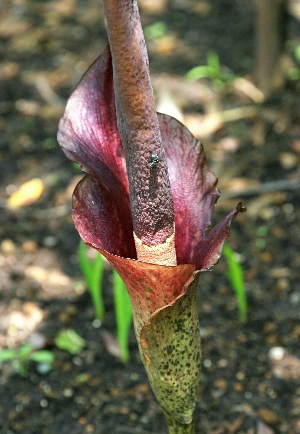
pixel 235 276
pixel 92 271
pixel 123 313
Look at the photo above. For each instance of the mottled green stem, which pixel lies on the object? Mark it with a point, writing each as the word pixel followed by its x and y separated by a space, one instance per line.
pixel 175 427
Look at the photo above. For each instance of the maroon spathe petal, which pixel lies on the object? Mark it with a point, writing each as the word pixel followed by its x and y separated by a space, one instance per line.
pixel 167 329
pixel 88 132
pixel 195 192
pixel 210 249
pixel 151 287
pixel 88 135
pixel 194 187
pixel 102 216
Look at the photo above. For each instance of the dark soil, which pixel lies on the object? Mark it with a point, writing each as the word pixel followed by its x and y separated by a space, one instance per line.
pixel 45 46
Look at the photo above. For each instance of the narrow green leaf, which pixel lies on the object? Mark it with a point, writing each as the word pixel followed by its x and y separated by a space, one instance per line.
pixel 70 341
pixel 92 271
pixel 201 71
pixel 21 367
pixel 235 276
pixel 24 352
pixel 6 355
pixel 84 262
pixel 123 312
pixel 297 53
pixel 214 62
pixel 96 287
pixel 43 356
pixel 156 30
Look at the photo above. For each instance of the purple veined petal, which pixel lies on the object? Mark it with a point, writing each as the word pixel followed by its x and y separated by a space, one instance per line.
pixel 210 249
pixel 195 193
pixel 88 135
pixel 194 187
pixel 88 131
pixel 102 215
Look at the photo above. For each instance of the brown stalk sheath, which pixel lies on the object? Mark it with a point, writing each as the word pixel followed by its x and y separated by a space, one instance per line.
pixel 150 193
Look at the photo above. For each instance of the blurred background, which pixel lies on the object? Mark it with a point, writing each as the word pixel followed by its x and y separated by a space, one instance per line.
pixel 230 71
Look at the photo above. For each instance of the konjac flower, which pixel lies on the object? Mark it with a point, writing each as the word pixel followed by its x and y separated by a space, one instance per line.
pixel 145 204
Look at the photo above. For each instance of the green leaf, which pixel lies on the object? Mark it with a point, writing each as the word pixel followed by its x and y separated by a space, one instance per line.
pixel 235 276
pixel 84 262
pixel 24 352
pixel 214 62
pixel 123 312
pixel 212 71
pixel 294 74
pixel 92 271
pixel 201 71
pixel 43 356
pixel 70 341
pixel 21 367
pixel 6 355
pixel 156 30
pixel 262 231
pixel 297 53
pixel 96 287
pixel 77 167
pixel 49 143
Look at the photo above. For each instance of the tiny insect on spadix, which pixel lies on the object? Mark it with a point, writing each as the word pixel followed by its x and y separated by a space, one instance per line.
pixel 154 160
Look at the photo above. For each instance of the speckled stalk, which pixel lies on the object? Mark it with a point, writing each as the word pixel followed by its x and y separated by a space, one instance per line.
pixel 171 352
pixel 175 427
pixel 149 186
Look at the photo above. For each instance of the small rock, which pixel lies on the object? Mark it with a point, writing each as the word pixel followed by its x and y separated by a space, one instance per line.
pixel 264 429
pixel 284 364
pixel 50 241
pixel 8 70
pixel 153 7
pixel 37 340
pixel 8 246
pixel 288 160
pixel 29 246
pixel 238 387
pixel 276 353
pixel 295 297
pixel 27 107
pixel 221 383
pixel 268 416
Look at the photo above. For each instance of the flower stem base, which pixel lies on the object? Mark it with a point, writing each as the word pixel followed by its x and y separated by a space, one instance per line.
pixel 175 427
